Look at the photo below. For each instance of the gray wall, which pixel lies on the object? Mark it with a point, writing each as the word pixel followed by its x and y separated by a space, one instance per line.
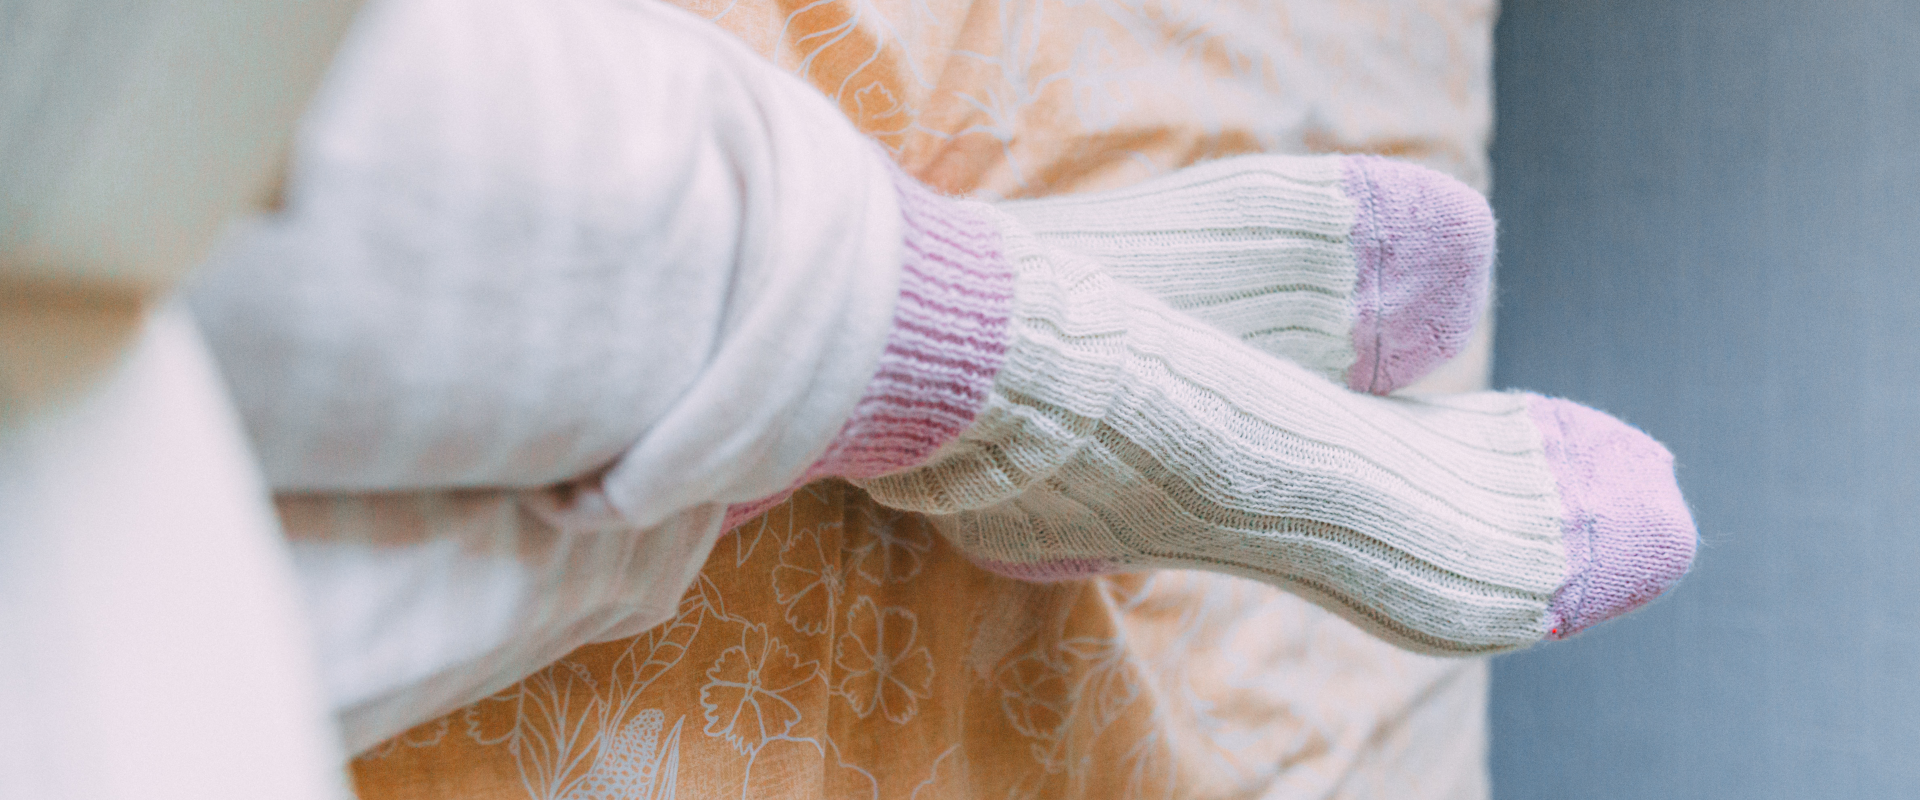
pixel 1710 220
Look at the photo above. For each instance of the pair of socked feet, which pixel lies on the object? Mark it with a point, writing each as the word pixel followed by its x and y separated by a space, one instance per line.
pixel 1150 377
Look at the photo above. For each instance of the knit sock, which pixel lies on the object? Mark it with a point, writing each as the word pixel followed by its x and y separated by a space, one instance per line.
pixel 948 339
pixel 1366 270
pixel 1122 434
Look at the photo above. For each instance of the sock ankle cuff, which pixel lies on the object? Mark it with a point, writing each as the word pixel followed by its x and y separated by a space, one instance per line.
pixel 948 341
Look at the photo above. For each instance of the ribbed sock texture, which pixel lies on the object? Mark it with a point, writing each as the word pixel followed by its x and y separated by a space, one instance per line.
pixel 1366 270
pixel 1079 425
pixel 1123 434
pixel 1256 246
pixel 949 337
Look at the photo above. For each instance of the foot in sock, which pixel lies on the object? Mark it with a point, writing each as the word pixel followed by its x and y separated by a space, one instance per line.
pixel 1367 270
pixel 1060 423
pixel 1626 529
pixel 1119 434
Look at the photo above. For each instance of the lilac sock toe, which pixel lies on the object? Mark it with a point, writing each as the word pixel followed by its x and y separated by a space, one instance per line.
pixel 1423 243
pixel 1628 532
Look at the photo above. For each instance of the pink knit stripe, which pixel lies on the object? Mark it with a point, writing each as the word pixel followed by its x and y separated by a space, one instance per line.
pixel 946 338
pixel 914 346
pixel 950 334
pixel 1628 532
pixel 1423 247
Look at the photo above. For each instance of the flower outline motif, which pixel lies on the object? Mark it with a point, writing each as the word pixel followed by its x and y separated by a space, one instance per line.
pixel 810 578
pixel 882 667
pixel 892 547
pixel 745 696
pixel 1035 695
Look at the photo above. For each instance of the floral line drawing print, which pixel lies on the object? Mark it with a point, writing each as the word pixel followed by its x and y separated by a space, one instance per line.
pixel 875 103
pixel 1000 103
pixel 840 45
pixel 893 548
pixel 822 771
pixel 1064 696
pixel 651 654
pixel 427 735
pixel 824 37
pixel 636 764
pixel 553 730
pixel 883 668
pixel 811 578
pixel 1034 697
pixel 744 697
pixel 746 538
pixel 777 523
pixel 931 786
pixel 1106 680
pixel 562 730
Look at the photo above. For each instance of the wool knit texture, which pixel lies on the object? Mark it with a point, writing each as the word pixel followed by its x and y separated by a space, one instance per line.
pixel 1628 532
pixel 1123 434
pixel 1423 247
pixel 1369 271
pixel 948 340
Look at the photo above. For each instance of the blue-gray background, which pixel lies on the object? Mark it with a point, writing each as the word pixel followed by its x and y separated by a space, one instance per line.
pixel 1710 218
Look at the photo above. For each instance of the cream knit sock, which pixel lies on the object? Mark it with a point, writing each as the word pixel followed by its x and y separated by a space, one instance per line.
pixel 1369 271
pixel 1123 434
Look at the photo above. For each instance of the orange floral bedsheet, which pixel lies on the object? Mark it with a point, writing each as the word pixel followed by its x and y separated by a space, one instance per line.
pixel 834 648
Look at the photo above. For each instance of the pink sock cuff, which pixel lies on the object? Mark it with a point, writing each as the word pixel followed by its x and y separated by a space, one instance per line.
pixel 1423 247
pixel 1628 532
pixel 951 330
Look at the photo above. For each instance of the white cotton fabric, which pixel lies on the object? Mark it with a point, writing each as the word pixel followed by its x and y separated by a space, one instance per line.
pixel 151 642
pixel 592 243
pixel 524 239
pixel 424 602
pixel 1125 434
